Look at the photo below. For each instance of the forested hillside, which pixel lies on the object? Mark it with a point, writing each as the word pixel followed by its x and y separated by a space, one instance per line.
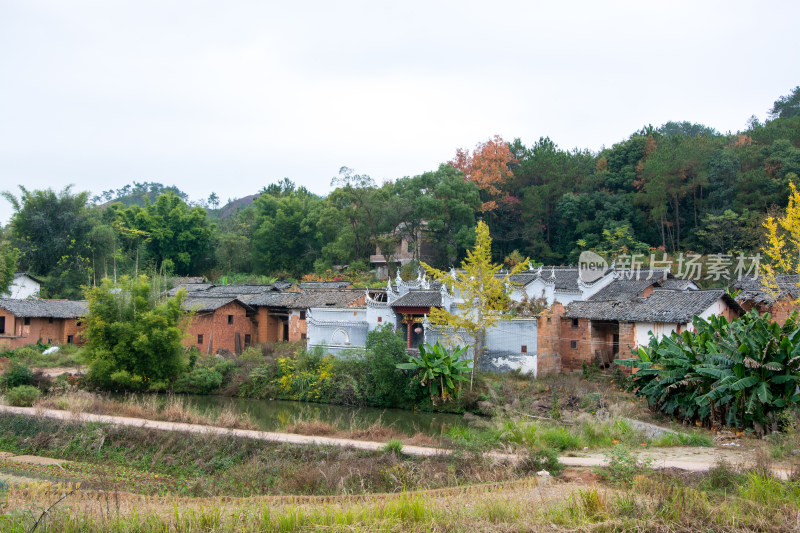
pixel 678 187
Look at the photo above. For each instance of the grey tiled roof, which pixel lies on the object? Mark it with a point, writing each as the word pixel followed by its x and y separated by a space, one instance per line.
pixel 324 284
pixel 190 288
pixel 622 290
pixel 201 304
pixel 419 299
pixel 45 308
pixel 666 306
pixel 306 300
pixel 237 290
pixel 752 290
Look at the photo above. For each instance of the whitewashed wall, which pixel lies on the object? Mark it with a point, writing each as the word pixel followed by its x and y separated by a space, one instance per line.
pixel 504 345
pixel 641 331
pixel 23 287
pixel 337 329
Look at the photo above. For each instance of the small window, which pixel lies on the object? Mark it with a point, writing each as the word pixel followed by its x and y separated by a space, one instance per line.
pixel 79 323
pixel 548 320
pixel 302 315
pixel 246 339
pixel 230 319
pixel 2 324
pixel 523 349
pixel 574 322
pixel 200 339
pixel 303 336
pixel 573 344
pixel 27 321
pixel 380 319
pixel 50 320
pixel 49 341
pixel 70 339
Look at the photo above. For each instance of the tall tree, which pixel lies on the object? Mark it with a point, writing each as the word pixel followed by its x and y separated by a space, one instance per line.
pixel 285 237
pixel 485 294
pixel 489 167
pixel 787 106
pixel 51 232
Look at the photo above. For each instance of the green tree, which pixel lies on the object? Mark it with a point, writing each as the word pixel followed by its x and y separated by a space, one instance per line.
pixel 134 336
pixel 787 106
pixel 8 266
pixel 51 232
pixel 175 236
pixel 485 294
pixel 285 236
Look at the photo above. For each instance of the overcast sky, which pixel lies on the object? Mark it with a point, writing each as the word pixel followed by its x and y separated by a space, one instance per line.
pixel 231 96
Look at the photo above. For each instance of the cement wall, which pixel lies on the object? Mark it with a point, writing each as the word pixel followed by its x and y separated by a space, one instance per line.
pixel 510 345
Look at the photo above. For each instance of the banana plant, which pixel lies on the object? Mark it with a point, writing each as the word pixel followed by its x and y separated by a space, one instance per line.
pixel 439 369
pixel 741 373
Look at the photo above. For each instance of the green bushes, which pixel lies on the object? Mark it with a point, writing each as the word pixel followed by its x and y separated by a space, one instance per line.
pixel 742 373
pixel 368 378
pixel 22 396
pixel 16 375
pixel 200 380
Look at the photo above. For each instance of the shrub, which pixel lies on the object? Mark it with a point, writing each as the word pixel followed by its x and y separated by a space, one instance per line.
pixel 201 380
pixel 134 338
pixel 382 384
pixel 16 375
pixel 22 396
pixel 624 465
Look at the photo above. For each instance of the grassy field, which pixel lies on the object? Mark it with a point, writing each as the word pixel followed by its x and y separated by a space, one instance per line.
pixel 721 500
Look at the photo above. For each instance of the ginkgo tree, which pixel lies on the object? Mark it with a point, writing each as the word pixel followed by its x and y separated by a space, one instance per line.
pixel 782 249
pixel 484 294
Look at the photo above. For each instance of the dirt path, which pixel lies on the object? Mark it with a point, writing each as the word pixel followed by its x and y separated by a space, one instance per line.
pixel 683 458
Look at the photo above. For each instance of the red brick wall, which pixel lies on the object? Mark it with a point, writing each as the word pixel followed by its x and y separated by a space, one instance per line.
pixel 626 343
pixel 571 358
pixel 217 333
pixel 17 334
pixel 548 333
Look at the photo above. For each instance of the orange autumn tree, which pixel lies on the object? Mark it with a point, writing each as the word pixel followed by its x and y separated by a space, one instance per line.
pixel 488 167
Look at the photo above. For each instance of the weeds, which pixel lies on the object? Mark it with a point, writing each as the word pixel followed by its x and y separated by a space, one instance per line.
pixel 394 447
pixel 624 465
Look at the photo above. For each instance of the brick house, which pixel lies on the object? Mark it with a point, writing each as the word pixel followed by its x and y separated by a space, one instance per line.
pixel 24 322
pixel 753 295
pixel 219 324
pixel 598 331
pixel 282 316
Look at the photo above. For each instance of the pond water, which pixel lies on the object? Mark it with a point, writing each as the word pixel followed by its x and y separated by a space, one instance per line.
pixel 275 415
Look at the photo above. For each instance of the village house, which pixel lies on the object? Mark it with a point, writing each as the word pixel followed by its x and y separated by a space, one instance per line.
pixel 23 286
pixel 609 326
pixel 24 322
pixel 233 317
pixel 221 323
pixel 418 249
pixel 779 302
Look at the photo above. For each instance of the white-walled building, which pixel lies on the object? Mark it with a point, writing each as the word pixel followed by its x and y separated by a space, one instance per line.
pixel 23 287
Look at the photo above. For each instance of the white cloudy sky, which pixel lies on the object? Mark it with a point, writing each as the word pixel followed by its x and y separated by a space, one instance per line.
pixel 230 96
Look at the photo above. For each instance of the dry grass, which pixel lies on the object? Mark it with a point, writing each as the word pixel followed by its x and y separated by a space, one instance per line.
pixel 375 433
pixel 650 505
pixel 168 408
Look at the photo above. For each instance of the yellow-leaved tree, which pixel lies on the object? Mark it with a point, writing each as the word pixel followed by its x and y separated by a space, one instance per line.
pixel 782 249
pixel 485 294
